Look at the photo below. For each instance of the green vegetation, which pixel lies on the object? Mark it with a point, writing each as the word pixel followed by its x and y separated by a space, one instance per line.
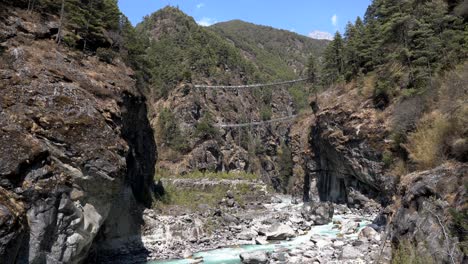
pixel 410 54
pixel 266 46
pixel 404 42
pixel 192 198
pixel 407 253
pixel 182 51
pixel 285 164
pixel 459 226
pixel 87 25
pixel 168 132
pixel 205 129
pixel 161 173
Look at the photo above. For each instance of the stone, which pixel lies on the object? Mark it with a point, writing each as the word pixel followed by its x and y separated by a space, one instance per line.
pixel 369 234
pixel 187 254
pixel 230 219
pixel 229 194
pixel 318 212
pixel 256 257
pixel 349 252
pixel 261 241
pixel 321 242
pixel 276 200
pixel 338 244
pixel 246 234
pixel 230 202
pixel 280 232
pixel 349 227
pixel 278 256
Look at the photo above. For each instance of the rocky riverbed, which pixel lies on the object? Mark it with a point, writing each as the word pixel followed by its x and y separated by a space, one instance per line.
pixel 272 229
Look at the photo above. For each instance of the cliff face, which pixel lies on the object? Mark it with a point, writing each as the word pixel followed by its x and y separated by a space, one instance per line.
pixel 73 136
pixel 343 158
pixel 431 212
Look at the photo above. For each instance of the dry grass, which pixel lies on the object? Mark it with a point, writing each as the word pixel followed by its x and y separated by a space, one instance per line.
pixel 426 144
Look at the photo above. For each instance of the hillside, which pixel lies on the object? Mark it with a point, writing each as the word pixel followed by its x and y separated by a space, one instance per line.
pixel 278 54
pixel 182 51
pixel 181 54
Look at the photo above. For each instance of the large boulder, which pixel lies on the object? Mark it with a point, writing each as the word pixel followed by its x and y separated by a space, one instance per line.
pixel 280 232
pixel 317 212
pixel 369 234
pixel 256 257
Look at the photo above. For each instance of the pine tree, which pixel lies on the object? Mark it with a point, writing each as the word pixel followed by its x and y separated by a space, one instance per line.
pixel 334 63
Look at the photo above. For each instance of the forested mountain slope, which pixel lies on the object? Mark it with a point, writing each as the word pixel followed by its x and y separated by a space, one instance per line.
pixel 278 54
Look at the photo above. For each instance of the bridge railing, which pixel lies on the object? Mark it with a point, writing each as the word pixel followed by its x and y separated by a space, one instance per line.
pixel 258 123
pixel 249 85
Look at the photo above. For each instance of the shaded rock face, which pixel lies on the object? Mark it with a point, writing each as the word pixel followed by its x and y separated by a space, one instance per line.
pixel 424 217
pixel 71 139
pixel 344 158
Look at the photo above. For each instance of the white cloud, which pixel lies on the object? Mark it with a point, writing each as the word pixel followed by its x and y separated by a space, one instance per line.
pixel 321 35
pixel 334 20
pixel 206 21
pixel 200 5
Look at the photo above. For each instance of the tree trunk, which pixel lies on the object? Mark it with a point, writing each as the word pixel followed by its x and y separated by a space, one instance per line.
pixel 59 34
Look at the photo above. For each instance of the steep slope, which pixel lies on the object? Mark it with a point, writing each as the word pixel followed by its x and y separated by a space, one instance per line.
pixel 182 54
pixel 278 54
pixel 75 142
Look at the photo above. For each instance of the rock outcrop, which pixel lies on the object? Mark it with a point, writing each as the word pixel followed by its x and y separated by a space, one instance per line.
pixel 426 214
pixel 73 137
pixel 342 161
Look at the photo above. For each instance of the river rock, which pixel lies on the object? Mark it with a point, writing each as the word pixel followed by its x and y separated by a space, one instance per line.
pixel 257 257
pixel 319 213
pixel 246 234
pixel 369 233
pixel 280 232
pixel 349 227
pixel 350 252
pixel 261 241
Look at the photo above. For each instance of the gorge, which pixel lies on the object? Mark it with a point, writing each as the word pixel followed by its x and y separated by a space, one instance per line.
pixel 114 148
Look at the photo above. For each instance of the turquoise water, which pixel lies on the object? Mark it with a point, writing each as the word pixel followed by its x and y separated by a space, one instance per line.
pixel 231 255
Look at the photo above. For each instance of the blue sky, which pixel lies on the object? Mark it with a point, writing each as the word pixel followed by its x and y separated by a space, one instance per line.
pixel 313 18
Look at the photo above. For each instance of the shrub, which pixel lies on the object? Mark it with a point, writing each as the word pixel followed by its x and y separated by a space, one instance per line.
pixel 285 164
pixel 459 227
pixel 299 96
pixel 205 128
pixel 407 253
pixel 168 132
pixel 266 113
pixel 106 55
pixel 426 144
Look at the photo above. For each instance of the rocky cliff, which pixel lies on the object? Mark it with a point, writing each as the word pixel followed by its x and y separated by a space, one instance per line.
pixel 74 144
pixel 343 158
pixel 430 213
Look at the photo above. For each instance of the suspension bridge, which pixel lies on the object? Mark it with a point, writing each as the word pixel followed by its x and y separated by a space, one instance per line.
pixel 258 123
pixel 260 85
pixel 285 119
